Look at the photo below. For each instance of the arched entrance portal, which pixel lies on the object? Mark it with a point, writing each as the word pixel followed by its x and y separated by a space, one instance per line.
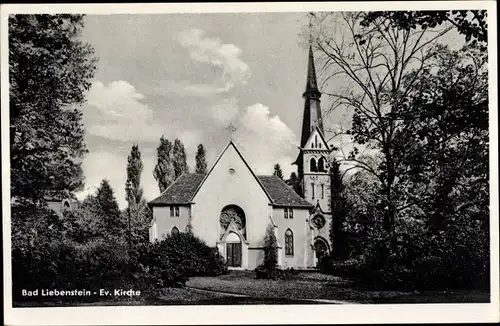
pixel 233 236
pixel 321 248
pixel 233 250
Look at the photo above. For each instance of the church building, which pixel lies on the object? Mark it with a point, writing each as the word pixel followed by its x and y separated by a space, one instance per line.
pixel 231 207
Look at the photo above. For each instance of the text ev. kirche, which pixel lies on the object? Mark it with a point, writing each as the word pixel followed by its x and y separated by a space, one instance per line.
pixel 80 293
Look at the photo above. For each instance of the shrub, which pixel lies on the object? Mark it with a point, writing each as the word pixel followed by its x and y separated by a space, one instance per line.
pixel 170 262
pixel 270 251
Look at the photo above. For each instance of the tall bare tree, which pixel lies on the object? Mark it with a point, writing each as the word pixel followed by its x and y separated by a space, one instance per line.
pixel 379 66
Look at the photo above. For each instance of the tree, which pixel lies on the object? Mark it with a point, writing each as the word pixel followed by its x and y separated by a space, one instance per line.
pixel 179 159
pixel 293 182
pixel 277 171
pixel 50 70
pixel 201 160
pixel 380 67
pixel 338 208
pixel 133 188
pixel 164 169
pixel 107 209
pixel 449 156
pixel 471 23
pixel 270 251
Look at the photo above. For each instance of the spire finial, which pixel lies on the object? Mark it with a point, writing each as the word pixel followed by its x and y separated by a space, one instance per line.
pixel 310 28
pixel 231 128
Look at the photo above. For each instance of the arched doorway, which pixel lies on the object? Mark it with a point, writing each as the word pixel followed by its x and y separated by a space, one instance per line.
pixel 233 250
pixel 321 248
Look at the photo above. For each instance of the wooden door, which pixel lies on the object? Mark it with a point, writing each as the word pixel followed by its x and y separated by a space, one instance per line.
pixel 233 254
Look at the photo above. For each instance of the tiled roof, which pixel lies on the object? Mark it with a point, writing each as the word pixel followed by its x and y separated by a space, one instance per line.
pixel 183 190
pixel 281 193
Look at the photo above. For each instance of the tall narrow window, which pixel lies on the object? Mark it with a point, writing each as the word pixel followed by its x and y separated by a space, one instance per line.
pixel 322 191
pixel 171 210
pixel 312 165
pixel 177 211
pixel 286 212
pixel 321 164
pixel 289 242
pixel 290 212
pixel 312 190
pixel 316 140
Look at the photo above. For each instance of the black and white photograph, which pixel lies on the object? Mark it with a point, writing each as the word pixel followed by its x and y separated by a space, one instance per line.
pixel 219 158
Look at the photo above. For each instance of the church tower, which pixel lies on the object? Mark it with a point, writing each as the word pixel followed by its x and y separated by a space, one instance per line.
pixel 312 160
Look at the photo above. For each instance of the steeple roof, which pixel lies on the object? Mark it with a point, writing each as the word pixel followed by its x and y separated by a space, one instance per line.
pixel 312 83
pixel 312 117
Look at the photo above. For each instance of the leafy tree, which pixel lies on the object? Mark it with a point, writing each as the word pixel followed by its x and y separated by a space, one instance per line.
pixel 338 205
pixel 164 169
pixel 50 70
pixel 380 67
pixel 471 23
pixel 201 160
pixel 179 159
pixel 449 156
pixel 277 171
pixel 133 187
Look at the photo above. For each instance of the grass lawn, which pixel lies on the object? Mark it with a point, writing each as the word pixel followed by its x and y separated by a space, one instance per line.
pixel 302 288
pixel 313 285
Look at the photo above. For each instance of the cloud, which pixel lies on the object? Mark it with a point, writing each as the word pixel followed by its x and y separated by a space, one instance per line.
pixel 212 51
pixel 116 111
pixel 265 140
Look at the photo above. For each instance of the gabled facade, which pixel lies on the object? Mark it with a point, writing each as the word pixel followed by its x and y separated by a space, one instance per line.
pixel 231 208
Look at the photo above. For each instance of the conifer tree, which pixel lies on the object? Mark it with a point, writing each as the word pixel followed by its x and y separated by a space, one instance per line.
pixel 108 208
pixel 164 169
pixel 201 160
pixel 179 159
pixel 277 171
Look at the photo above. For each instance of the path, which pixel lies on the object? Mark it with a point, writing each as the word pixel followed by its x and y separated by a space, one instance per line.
pixel 247 296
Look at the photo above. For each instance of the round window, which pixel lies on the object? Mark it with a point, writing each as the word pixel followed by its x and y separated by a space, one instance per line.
pixel 231 171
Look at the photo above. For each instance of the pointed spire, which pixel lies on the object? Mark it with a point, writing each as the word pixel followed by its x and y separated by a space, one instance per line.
pixel 312 117
pixel 312 83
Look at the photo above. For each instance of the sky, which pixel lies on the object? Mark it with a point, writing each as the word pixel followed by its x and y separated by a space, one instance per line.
pixel 189 76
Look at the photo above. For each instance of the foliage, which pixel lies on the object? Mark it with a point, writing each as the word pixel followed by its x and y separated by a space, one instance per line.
pixel 471 23
pixel 179 159
pixel 164 169
pixel 50 69
pixel 201 160
pixel 294 182
pixel 277 171
pixel 270 253
pixel 339 213
pixel 137 211
pixel 133 188
pixel 173 260
pixel 106 207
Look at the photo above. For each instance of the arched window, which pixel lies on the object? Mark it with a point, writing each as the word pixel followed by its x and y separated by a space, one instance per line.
pixel 175 231
pixel 66 205
pixel 312 165
pixel 321 164
pixel 289 242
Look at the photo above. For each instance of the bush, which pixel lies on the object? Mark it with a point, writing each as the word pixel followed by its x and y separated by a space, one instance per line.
pixel 422 260
pixel 170 262
pixel 262 272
